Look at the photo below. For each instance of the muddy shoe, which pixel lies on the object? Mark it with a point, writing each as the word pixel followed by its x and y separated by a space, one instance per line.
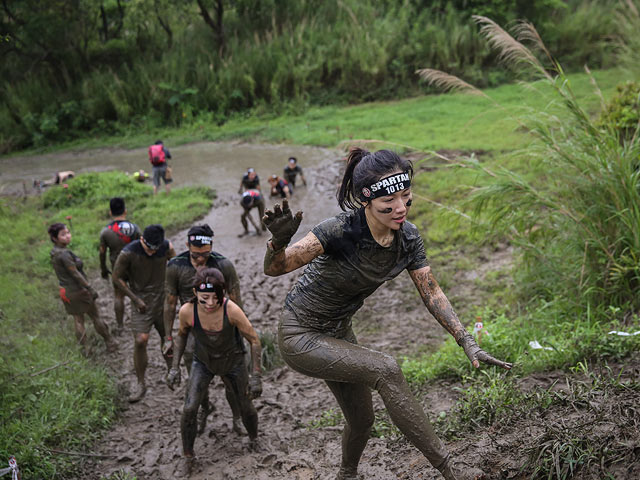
pixel 237 426
pixel 451 472
pixel 138 393
pixel 240 235
pixel 186 467
pixel 203 413
pixel 345 474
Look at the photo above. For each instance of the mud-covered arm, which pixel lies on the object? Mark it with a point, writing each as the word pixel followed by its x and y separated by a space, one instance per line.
pixel 439 306
pixel 170 303
pixel 240 320
pixel 184 316
pixel 285 260
pixel 77 276
pixel 119 275
pixel 103 259
pixel 172 252
pixel 232 282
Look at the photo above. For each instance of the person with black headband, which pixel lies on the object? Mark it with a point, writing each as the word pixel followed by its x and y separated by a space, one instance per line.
pixel 292 170
pixel 77 295
pixel 216 322
pixel 118 233
pixel 252 198
pixel 180 280
pixel 250 180
pixel 348 257
pixel 139 272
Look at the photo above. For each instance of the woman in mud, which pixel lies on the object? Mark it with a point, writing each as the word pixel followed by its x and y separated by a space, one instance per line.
pixel 348 257
pixel 78 297
pixel 216 323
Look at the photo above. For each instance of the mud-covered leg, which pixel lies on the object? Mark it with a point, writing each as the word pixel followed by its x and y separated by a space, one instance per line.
pixel 198 385
pixel 102 329
pixel 118 306
pixel 261 214
pixel 357 407
pixel 243 220
pixel 237 381
pixel 81 333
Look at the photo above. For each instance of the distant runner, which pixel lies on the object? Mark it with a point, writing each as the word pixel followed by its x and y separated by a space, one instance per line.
pixel 139 271
pixel 180 280
pixel 252 199
pixel 77 295
pixel 216 322
pixel 113 238
pixel 280 187
pixel 292 170
pixel 158 155
pixel 347 258
pixel 250 180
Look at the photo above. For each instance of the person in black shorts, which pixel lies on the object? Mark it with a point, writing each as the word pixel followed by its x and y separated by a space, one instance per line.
pixel 114 237
pixel 180 279
pixel 216 322
pixel 292 170
pixel 347 258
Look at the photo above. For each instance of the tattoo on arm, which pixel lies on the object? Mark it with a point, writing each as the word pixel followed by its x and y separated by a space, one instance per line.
pixel 436 301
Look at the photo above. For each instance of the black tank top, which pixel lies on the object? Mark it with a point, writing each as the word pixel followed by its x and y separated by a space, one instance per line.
pixel 215 345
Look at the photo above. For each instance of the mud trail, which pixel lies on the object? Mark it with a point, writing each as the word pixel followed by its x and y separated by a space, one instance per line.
pixel 146 443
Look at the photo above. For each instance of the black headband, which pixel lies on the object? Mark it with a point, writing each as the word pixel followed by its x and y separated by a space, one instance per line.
pixel 200 240
pixel 386 186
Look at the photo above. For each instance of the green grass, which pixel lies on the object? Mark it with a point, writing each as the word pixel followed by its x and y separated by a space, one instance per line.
pixel 68 406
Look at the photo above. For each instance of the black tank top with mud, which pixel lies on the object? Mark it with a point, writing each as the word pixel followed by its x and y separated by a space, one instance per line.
pixel 212 346
pixel 335 284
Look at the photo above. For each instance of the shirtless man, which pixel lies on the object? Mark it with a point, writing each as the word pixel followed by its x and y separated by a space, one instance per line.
pixel 139 271
pixel 181 272
pixel 113 238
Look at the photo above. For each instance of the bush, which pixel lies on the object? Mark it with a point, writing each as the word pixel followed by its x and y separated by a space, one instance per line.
pixel 621 114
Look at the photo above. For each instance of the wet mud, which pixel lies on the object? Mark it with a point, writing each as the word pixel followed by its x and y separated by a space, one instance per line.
pixel 145 440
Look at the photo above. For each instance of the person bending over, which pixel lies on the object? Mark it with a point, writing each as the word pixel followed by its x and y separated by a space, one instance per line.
pixel 347 258
pixel 252 199
pixel 280 187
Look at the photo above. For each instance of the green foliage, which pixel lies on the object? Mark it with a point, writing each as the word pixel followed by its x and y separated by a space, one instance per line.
pixel 271 357
pixel 118 74
pixel 68 406
pixel 622 113
pixel 329 418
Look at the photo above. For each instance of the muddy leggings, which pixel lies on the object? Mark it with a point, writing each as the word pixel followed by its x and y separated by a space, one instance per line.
pixel 351 371
pixel 235 379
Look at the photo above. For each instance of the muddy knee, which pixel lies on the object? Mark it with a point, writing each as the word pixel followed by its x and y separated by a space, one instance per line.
pixel 388 372
pixel 141 340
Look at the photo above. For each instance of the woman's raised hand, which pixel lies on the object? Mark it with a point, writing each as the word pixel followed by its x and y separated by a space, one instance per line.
pixel 477 355
pixel 282 224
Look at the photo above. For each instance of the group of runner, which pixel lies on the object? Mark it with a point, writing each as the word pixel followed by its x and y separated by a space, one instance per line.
pixel 346 259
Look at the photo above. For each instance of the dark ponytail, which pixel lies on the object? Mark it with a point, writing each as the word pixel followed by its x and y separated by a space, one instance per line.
pixel 365 168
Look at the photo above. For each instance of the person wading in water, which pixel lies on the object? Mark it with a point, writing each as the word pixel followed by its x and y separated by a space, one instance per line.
pixel 139 271
pixel 348 257
pixel 113 238
pixel 181 272
pixel 216 323
pixel 78 297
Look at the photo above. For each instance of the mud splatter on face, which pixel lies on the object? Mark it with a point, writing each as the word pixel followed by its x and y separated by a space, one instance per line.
pixel 409 202
pixel 385 211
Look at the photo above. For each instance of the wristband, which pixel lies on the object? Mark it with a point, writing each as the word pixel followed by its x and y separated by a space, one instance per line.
pixel 169 337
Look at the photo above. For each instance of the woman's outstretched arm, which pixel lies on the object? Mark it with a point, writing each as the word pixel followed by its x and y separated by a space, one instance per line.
pixel 439 306
pixel 280 259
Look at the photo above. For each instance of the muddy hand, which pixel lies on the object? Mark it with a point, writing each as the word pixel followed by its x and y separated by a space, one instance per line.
pixel 173 378
pixel 140 305
pixel 105 273
pixel 477 355
pixel 255 386
pixel 282 224
pixel 167 348
pixel 92 292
